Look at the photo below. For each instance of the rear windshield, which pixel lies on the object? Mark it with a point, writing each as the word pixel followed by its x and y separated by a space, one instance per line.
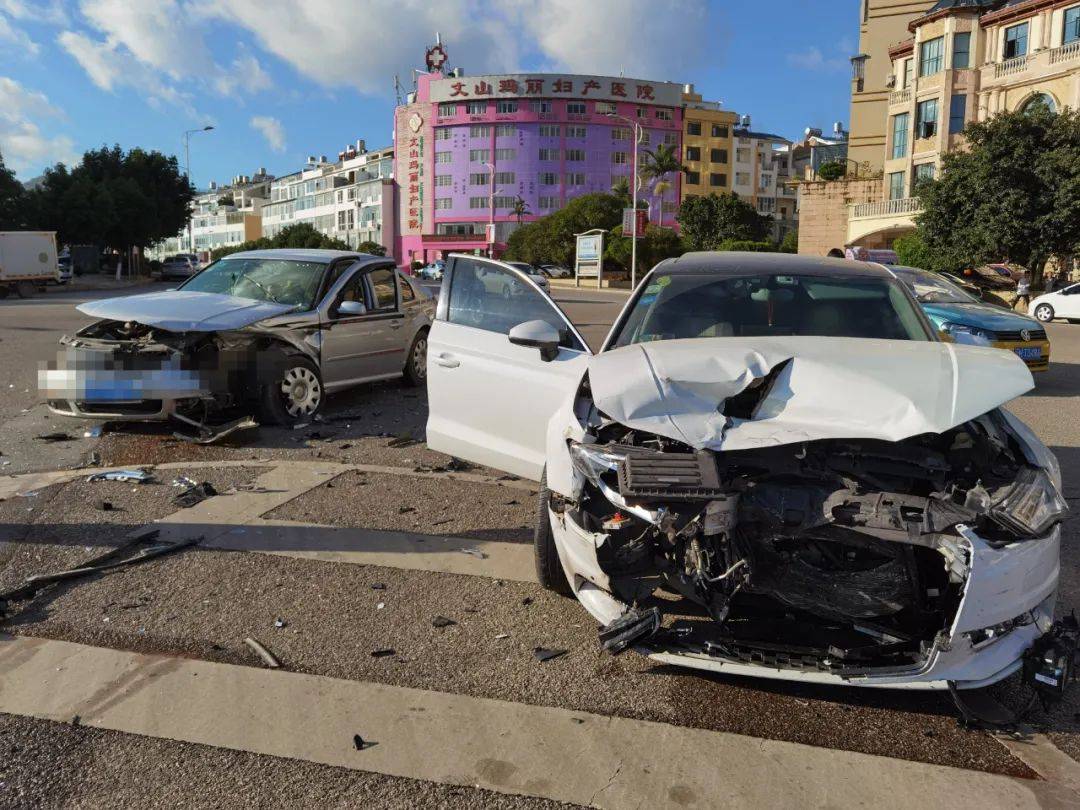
pixel 930 288
pixel 687 305
pixel 279 280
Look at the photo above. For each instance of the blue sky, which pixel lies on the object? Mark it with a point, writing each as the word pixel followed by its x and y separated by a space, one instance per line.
pixel 282 79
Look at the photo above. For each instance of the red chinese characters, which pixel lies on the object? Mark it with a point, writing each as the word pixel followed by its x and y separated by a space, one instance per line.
pixel 482 89
pixel 508 86
pixel 645 91
pixel 563 86
pixel 591 84
pixel 618 89
pixel 458 89
pixel 534 86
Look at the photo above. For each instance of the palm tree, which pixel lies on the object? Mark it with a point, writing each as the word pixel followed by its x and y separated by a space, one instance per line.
pixel 520 208
pixel 621 189
pixel 658 165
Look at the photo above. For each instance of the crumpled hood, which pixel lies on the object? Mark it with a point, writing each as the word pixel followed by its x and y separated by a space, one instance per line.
pixel 823 388
pixel 179 311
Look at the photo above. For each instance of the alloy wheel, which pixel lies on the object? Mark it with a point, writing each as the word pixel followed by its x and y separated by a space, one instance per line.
pixel 1044 313
pixel 419 357
pixel 301 390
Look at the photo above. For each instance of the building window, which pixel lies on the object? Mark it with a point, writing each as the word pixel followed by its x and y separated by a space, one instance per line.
pixel 443 133
pixel 479 155
pixel 1039 100
pixel 444 179
pixel 719 131
pixel 549 130
pixel 670 139
pixel 896 185
pixel 718 180
pixel 620 134
pixel 663 115
pixel 646 138
pixel 549 154
pixel 620 158
pixel 1072 25
pixel 478 179
pixel 548 203
pixel 909 68
pixel 899 135
pixel 476 107
pixel 505 202
pixel 505 131
pixel 693 178
pixel 575 179
pixel 930 56
pixel 505 178
pixel 540 106
pixel 961 51
pixel 548 179
pixel 505 154
pixel 444 203
pixel 480 131
pixel 506 106
pixel 605 107
pixel 926 118
pixel 742 155
pixel 742 178
pixel 718 155
pixel 575 132
pixel 575 108
pixel 693 153
pixel 1016 40
pixel 693 127
pixel 447 110
pixel 575 155
pixel 923 172
pixel 478 202
pixel 443 157
pixel 957 114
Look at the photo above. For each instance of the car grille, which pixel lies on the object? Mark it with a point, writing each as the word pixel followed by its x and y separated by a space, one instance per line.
pixel 1036 334
pixel 645 473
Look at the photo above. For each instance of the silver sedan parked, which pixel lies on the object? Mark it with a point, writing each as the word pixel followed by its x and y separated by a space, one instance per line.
pixel 265 332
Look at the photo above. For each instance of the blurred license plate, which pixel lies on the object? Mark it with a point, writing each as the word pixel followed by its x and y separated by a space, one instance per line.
pixel 1029 353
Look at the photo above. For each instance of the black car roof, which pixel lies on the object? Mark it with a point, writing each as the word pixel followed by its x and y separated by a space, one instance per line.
pixel 737 263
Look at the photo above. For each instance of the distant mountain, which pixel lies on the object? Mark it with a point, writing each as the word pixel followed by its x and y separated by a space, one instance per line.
pixel 34 182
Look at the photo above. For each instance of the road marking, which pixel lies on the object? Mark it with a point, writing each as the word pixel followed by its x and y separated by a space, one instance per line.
pixel 454 739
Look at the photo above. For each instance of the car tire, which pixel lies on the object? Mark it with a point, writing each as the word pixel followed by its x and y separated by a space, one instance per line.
pixel 549 569
pixel 1044 313
pixel 295 395
pixel 24 289
pixel 4 291
pixel 415 373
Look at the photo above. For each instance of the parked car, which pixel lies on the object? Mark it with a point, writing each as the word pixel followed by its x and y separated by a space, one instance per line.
pixel 264 331
pixel 966 319
pixel 178 267
pixel 431 272
pixel 1063 303
pixel 557 271
pixel 63 269
pixel 990 278
pixel 820 487
pixel 535 273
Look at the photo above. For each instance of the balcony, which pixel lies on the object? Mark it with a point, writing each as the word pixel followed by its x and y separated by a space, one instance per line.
pixel 885 208
pixel 876 224
pixel 1040 64
pixel 1011 67
pixel 1064 53
pixel 900 96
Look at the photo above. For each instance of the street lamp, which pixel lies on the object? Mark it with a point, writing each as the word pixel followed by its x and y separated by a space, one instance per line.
pixel 633 204
pixel 491 209
pixel 187 172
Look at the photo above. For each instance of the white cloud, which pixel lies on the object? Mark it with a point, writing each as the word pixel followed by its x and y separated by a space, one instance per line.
pixel 42 11
pixel 158 33
pixel 15 41
pixel 813 59
pixel 272 130
pixel 245 75
pixel 22 143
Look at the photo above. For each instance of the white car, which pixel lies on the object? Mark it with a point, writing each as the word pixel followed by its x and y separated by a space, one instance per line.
pixel 773 467
pixel 1064 303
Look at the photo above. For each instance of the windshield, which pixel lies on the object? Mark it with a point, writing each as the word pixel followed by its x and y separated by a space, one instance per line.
pixel 281 281
pixel 930 288
pixel 700 305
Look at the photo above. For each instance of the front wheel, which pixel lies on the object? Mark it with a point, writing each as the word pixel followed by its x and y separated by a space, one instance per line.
pixel 549 569
pixel 1044 313
pixel 416 362
pixel 295 395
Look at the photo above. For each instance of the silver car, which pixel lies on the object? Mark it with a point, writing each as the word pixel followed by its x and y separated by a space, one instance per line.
pixel 178 267
pixel 534 273
pixel 265 332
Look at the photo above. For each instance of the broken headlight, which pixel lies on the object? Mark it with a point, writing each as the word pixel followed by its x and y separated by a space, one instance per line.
pixel 593 460
pixel 1032 505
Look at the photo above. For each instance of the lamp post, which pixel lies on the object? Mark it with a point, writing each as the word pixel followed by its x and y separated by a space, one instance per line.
pixel 636 129
pixel 187 173
pixel 491 209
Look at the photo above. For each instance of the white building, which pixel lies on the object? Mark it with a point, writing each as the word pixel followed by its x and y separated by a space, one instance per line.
pixel 763 174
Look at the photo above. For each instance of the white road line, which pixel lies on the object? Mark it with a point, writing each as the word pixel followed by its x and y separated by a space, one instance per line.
pixel 510 747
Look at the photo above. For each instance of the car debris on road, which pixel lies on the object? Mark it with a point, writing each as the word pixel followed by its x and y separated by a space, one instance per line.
pixel 268 657
pixel 132 475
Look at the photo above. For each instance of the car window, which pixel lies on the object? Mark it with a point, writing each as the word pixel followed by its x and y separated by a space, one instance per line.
pixel 382 282
pixel 488 297
pixel 930 288
pixel 282 281
pixel 354 290
pixel 703 305
pixel 407 293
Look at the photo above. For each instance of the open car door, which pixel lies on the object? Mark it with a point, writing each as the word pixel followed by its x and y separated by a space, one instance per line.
pixel 502 357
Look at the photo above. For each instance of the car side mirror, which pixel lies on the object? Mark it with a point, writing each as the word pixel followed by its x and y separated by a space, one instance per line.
pixel 539 335
pixel 351 308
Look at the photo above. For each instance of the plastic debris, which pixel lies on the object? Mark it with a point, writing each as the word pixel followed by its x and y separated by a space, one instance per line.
pixel 501 636
pixel 280 623
pixel 137 476
pixel 378 586
pixel 545 654
pixel 472 552
pixel 380 606
pixel 383 653
pixel 404 440
pixel 209 435
pixel 194 495
pixel 58 436
pixel 442 621
pixel 359 743
pixel 103 506
pixel 92 433
pixel 267 656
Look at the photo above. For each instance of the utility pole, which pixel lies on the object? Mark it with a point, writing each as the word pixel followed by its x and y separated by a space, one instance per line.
pixel 491 210
pixel 187 174
pixel 636 130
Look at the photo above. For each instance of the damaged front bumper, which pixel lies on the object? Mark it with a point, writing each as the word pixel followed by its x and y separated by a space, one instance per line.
pixel 1006 607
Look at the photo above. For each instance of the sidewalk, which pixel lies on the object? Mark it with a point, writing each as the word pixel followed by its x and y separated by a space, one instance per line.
pixel 104 281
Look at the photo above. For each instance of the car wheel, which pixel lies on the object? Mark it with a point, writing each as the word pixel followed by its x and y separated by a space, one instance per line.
pixel 4 290
pixel 416 361
pixel 24 289
pixel 549 569
pixel 1044 313
pixel 295 395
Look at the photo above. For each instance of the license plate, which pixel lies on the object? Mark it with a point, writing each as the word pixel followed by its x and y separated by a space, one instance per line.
pixel 1029 353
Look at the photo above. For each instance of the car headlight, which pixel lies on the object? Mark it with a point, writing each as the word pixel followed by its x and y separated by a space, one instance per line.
pixel 971 335
pixel 592 460
pixel 1032 506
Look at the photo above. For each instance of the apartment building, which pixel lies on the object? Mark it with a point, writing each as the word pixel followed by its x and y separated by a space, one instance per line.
pixel 708 145
pixel 763 176
pixel 351 199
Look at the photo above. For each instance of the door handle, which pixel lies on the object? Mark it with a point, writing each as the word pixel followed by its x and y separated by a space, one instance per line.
pixel 396 324
pixel 447 361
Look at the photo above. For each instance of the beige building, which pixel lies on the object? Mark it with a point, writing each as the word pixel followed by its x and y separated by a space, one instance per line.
pixel 708 146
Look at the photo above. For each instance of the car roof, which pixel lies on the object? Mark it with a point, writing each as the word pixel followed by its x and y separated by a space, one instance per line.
pixel 300 254
pixel 738 263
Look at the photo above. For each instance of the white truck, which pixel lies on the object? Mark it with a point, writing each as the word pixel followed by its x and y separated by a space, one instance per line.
pixel 27 261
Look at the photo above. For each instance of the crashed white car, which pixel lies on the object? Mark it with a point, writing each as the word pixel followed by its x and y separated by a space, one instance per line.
pixel 773 467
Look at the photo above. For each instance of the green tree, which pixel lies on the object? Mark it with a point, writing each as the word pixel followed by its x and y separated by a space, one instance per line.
pixel 706 221
pixel 790 243
pixel 747 245
pixel 520 209
pixel 12 200
pixel 374 248
pixel 551 239
pixel 659 165
pixel 655 245
pixel 833 170
pixel 621 189
pixel 300 235
pixel 912 251
pixel 1013 194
